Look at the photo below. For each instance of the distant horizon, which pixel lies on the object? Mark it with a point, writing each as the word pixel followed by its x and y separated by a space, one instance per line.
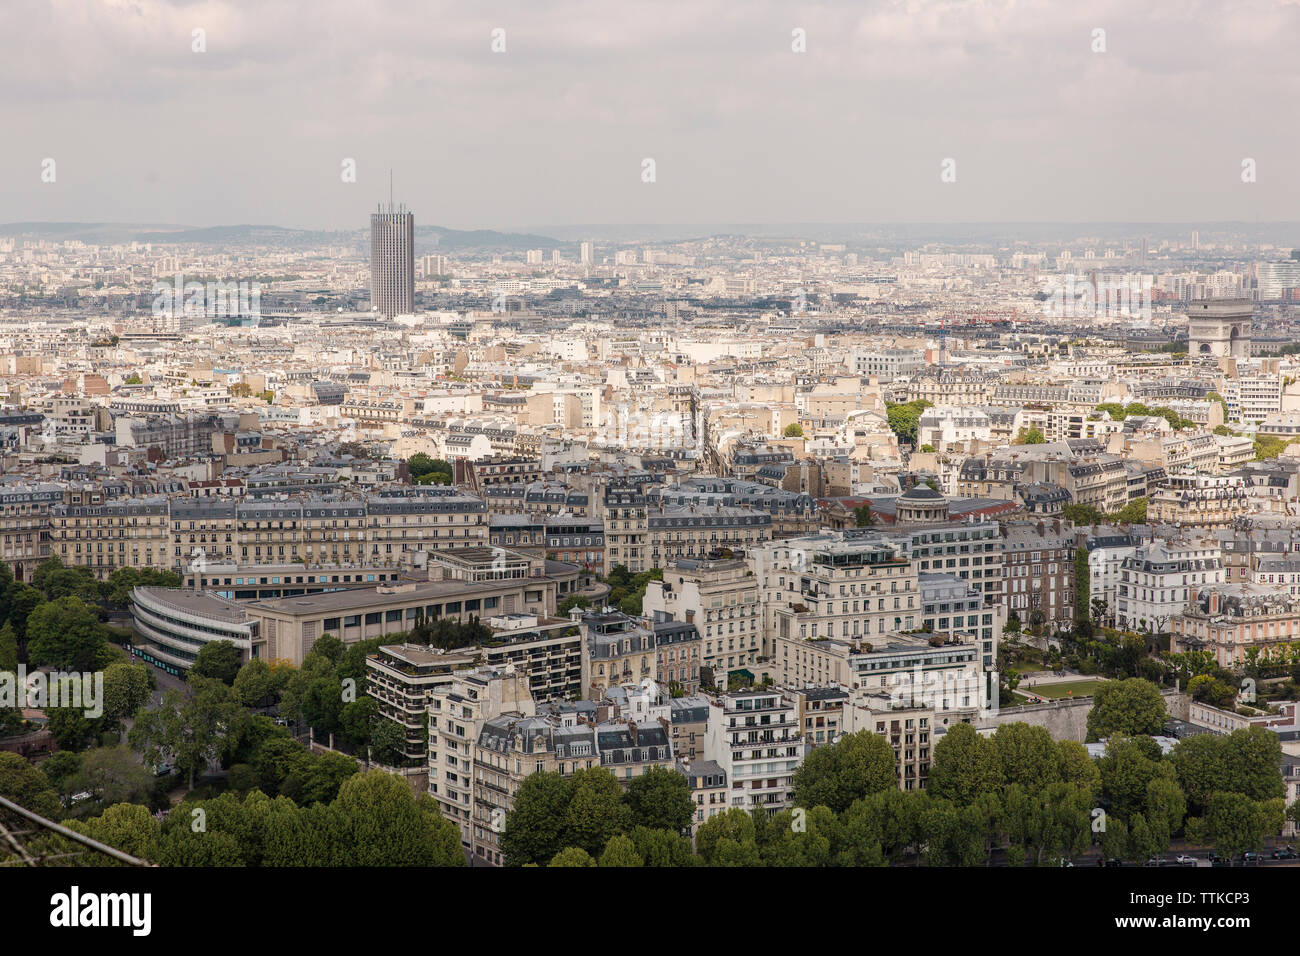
pixel 807 230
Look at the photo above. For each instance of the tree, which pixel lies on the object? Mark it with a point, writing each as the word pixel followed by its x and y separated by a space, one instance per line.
pixel 1128 768
pixel 26 786
pixel 116 591
pixel 793 430
pixel 66 635
pixel 386 825
pixel 1082 514
pixel 127 688
pixel 220 660
pixel 1082 586
pixel 1247 762
pixel 533 827
pixel 862 516
pixel 728 839
pixel 316 778
pixel 904 418
pixel 60 768
pixel 1027 756
pixel 620 851
pixel 595 811
pixel 387 741
pixel 662 847
pixel 258 684
pixel 1234 823
pixel 837 774
pixel 1135 512
pixel 128 827
pixel 113 775
pixel 1029 435
pixel 1130 707
pixel 572 856
pixel 660 799
pixel 570 602
pixel 428 471
pixel 71 727
pixel 191 732
pixel 965 765
pixel 56 580
pixel 815 842
pixel 23 600
pixel 8 648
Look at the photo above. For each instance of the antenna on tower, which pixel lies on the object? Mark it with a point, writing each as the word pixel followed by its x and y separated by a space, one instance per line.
pixel 390 189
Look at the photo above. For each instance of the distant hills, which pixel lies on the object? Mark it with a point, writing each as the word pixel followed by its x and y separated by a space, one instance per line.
pixel 432 238
pixel 428 238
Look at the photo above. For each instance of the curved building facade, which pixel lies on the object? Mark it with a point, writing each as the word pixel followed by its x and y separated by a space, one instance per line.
pixel 173 624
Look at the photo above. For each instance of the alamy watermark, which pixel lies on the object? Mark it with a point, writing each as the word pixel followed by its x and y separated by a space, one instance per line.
pixel 39 690
pixel 945 690
pixel 1086 297
pixel 214 299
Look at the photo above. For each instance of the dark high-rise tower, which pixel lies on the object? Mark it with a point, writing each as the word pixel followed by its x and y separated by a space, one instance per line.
pixel 392 261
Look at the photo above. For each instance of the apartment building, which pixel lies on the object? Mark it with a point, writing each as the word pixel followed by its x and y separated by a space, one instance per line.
pixel 1107 551
pixel 512 746
pixel 953 607
pixel 754 737
pixel 1038 573
pixel 616 649
pixel 1235 621
pixel 678 655
pixel 707 782
pixel 1199 500
pixel 24 524
pixel 403 678
pixel 624 514
pixel 841 586
pixel 547 651
pixel 457 710
pixel 688 720
pixel 537 498
pixel 819 712
pixel 158 531
pixel 722 601
pixel 1159 579
pixel 104 534
pixel 942 673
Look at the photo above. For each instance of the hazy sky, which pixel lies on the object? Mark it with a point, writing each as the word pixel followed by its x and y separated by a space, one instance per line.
pixel 741 128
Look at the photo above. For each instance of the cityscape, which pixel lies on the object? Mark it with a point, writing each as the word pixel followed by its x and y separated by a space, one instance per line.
pixel 400 532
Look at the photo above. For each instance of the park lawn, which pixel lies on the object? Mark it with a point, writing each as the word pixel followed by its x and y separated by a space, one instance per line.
pixel 1074 688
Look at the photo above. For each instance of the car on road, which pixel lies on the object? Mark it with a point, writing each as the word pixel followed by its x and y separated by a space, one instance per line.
pixel 1111 862
pixel 1185 859
pixel 1217 860
pixel 1286 853
pixel 1250 856
pixel 163 770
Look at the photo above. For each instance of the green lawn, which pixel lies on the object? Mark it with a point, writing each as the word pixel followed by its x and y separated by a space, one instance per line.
pixel 1074 688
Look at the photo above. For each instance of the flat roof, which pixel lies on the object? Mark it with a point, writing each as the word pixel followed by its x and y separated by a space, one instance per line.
pixel 357 598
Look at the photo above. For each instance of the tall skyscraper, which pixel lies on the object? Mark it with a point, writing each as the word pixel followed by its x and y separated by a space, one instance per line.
pixel 392 261
pixel 588 251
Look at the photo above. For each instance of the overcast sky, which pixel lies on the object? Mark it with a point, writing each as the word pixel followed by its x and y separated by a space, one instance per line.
pixel 741 128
